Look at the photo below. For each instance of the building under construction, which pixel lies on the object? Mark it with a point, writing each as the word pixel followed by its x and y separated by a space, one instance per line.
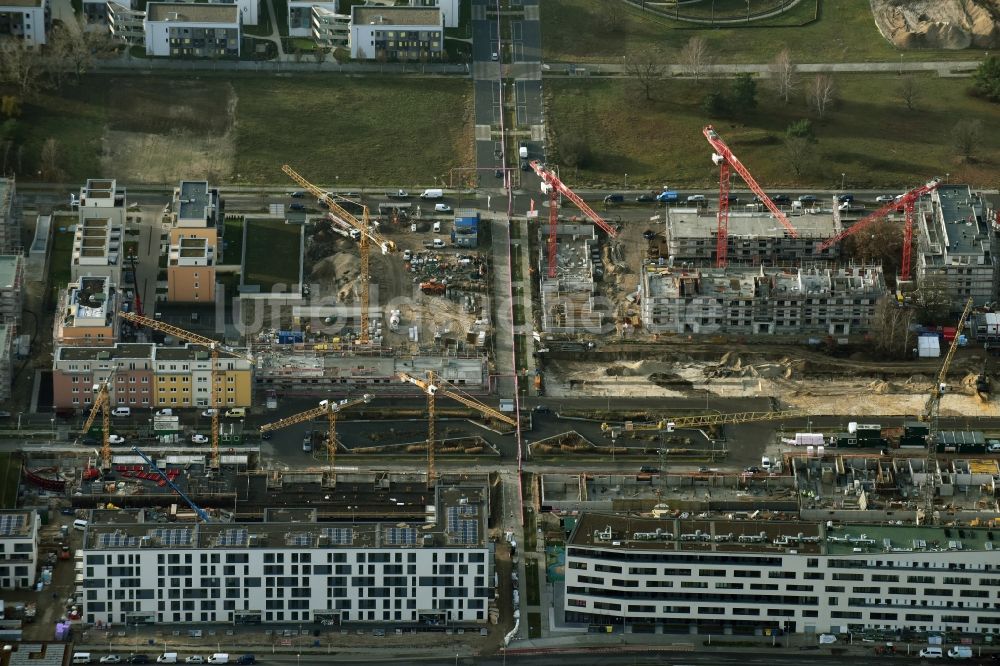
pixel 567 299
pixel 760 301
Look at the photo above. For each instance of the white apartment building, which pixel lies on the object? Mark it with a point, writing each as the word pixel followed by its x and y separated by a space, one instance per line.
pixel 186 29
pixel 718 576
pixel 396 33
pixel 757 301
pixel 98 238
pixel 18 549
pixel 957 250
pixel 291 568
pixel 28 20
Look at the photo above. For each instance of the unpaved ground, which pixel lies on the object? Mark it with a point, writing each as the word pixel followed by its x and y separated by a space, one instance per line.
pixel 146 145
pixel 782 379
pixel 939 24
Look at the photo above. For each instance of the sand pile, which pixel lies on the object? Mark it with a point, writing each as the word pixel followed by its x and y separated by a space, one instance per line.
pixel 939 24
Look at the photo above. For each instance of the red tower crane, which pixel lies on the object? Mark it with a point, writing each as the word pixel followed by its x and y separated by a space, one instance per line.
pixel 555 187
pixel 906 202
pixel 725 158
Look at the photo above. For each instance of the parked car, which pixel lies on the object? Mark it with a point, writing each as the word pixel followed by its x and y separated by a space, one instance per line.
pixel 993 446
pixel 194 659
pixel 236 413
pixel 614 199
pixel 116 439
pixel 4 414
pixel 199 439
pixel 649 234
pixel 121 411
pixel 398 194
pixel 525 165
pixel 808 198
pixel 649 469
pixel 246 659
pixel 296 206
pixel 495 57
pixel 845 198
pixel 139 659
pixel 297 194
pixel 442 208
pixel 781 199
pixel 885 198
pixel 646 197
pixel 209 413
pixel 111 659
pixel 697 198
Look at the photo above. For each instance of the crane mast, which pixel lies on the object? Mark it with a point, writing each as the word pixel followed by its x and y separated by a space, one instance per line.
pixel 930 413
pixel 907 202
pixel 330 409
pixel 724 156
pixel 702 420
pixel 365 234
pixel 431 387
pixel 214 348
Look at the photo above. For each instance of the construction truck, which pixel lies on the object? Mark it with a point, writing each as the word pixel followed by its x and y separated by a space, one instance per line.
pixel 433 287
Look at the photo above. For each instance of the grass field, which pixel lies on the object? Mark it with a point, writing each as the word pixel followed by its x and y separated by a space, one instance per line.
pixel 534 625
pixel 235 128
pixel 233 235
pixel 868 136
pixel 813 30
pixel 272 256
pixel 10 475
pixel 531 582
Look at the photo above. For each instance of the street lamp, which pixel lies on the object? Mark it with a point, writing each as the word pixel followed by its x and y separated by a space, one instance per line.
pixel 842 176
pixel 626 181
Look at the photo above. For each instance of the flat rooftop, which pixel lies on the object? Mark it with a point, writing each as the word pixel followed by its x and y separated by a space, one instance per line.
pixel 119 351
pixel 955 232
pixel 194 200
pixel 415 16
pixel 757 536
pixel 700 223
pixel 455 518
pixel 185 12
pixel 749 282
pixel 9 264
pixel 16 524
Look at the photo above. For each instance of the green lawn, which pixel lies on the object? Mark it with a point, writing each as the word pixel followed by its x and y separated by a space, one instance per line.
pixel 233 235
pixel 830 31
pixel 61 254
pixel 531 582
pixel 362 130
pixel 273 254
pixel 385 130
pixel 10 476
pixel 869 136
pixel 534 625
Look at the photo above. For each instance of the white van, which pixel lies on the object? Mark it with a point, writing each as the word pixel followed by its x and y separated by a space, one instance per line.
pixel 121 411
pixel 80 524
pixel 931 653
pixel 432 194
pixel 167 658
pixel 219 658
pixel 960 652
pixel 522 151
pixel 438 243
pixel 436 228
pixel 81 658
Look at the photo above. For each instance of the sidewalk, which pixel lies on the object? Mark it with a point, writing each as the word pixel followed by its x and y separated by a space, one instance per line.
pixel 943 68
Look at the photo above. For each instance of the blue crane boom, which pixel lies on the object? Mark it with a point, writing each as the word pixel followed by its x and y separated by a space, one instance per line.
pixel 197 509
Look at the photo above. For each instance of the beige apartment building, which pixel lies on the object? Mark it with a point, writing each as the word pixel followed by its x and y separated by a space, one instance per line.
pixel 194 240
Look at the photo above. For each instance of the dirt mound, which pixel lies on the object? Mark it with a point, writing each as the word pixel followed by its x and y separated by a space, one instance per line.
pixel 939 24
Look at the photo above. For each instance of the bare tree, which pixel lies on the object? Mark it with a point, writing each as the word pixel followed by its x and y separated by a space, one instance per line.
pixel 696 57
pixel 966 136
pixel 908 92
pixel 784 76
pixel 614 16
pixel 799 154
pixel 822 93
pixel 49 161
pixel 21 66
pixel 319 55
pixel 891 329
pixel 647 68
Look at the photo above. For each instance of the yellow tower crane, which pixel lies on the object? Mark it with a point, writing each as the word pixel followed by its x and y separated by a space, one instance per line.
pixel 215 347
pixel 435 385
pixel 328 408
pixel 102 405
pixel 365 234
pixel 702 420
pixel 930 413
